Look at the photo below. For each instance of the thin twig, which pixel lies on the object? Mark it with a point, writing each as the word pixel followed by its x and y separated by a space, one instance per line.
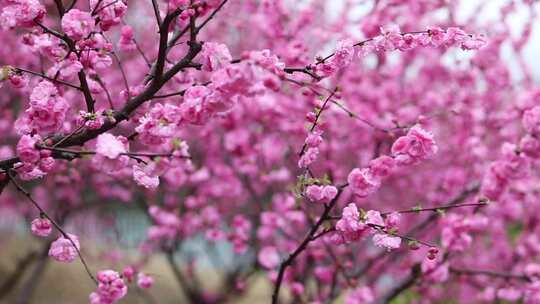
pixel 55 224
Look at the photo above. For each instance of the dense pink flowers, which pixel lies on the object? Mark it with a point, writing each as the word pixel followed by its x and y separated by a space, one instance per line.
pixel 144 177
pixel 309 157
pixel 62 250
pixel 321 194
pixel 126 42
pixel 21 13
pixel 386 241
pixel 363 182
pixel 382 166
pixel 35 163
pixel 77 24
pixel 342 57
pixel 110 12
pixel 27 150
pixel 350 226
pixel 304 132
pixel 391 39
pixel 531 120
pixel 47 110
pixel 215 56
pixel 196 108
pixel 111 288
pixel 498 175
pixel 353 225
pixel 41 227
pixel 417 145
pixel 159 124
pixel 530 145
pixel 434 271
pixel 109 146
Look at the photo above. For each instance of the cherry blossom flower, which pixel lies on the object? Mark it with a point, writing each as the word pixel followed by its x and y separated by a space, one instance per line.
pixel 77 24
pixel 111 288
pixel 62 250
pixel 41 227
pixel 215 56
pixel 144 281
pixel 362 182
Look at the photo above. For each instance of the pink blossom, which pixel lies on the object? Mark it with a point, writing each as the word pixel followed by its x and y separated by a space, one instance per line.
pixel 392 220
pixel 62 250
pixel 128 273
pixel 77 24
pixel 178 3
pixel 360 295
pixel 530 145
pixel 126 42
pixel 473 43
pixel 143 178
pixel 144 281
pixel 435 271
pixel 382 166
pixel 214 56
pixel 29 171
pixel 195 108
pixel 324 274
pixel 384 240
pixel 511 294
pixel 41 227
pixel 109 146
pixel 268 61
pixel 47 110
pixel 46 164
pixel 323 194
pixel 341 58
pixel 362 182
pixel 533 271
pixel 68 67
pixel 532 293
pixel 308 157
pixel 111 288
pixel 26 148
pixel 268 257
pixel 234 79
pixel 531 120
pixel 110 12
pixel 17 80
pixel 349 225
pixel 374 218
pixel 314 139
pixel 22 13
pixel 159 124
pixel 417 145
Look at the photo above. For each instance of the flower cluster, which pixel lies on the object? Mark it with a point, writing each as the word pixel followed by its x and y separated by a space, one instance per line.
pixel 78 24
pixel 321 194
pixel 22 13
pixel 391 39
pixel 47 110
pixel 312 143
pixel 111 288
pixel 110 152
pixel 353 225
pixel 35 163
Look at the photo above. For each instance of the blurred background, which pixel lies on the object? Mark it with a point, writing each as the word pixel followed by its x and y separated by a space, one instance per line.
pixel 45 282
